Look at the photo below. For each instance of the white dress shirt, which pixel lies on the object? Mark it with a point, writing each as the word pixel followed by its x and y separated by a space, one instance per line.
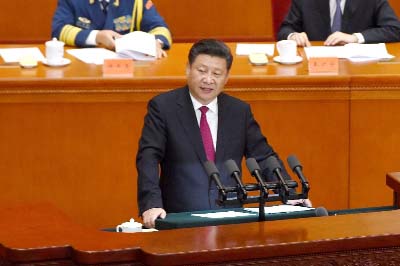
pixel 212 117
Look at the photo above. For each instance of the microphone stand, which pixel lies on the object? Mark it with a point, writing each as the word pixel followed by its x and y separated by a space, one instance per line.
pixel 285 187
pixel 261 205
pixel 263 196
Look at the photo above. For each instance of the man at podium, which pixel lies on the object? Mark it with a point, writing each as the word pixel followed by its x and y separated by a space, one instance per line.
pixel 188 126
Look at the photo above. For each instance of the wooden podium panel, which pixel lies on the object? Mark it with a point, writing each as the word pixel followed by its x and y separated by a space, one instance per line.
pixel 374 140
pixel 235 20
pixel 80 156
pixel 26 21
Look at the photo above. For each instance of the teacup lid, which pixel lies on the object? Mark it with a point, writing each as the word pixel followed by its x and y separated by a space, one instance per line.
pixel 55 42
pixel 131 223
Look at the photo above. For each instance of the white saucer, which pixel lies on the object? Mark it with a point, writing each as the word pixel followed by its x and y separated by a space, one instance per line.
pixel 296 60
pixel 63 62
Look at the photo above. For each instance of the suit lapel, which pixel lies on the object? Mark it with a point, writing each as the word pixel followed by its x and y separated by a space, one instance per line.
pixel 187 117
pixel 223 125
pixel 349 9
pixel 323 9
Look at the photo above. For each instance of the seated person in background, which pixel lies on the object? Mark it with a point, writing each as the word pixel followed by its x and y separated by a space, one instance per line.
pixel 337 22
pixel 171 175
pixel 86 23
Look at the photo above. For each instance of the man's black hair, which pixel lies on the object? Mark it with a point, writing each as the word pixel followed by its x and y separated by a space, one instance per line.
pixel 211 47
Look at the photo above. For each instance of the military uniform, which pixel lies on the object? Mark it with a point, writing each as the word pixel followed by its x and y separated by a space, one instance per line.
pixel 75 19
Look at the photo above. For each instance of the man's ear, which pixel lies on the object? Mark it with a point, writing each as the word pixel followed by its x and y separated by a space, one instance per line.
pixel 226 78
pixel 187 68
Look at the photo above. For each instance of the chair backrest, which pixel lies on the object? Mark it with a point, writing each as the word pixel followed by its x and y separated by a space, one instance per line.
pixel 279 11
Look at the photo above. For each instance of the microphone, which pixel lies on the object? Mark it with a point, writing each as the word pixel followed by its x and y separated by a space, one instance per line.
pixel 255 171
pixel 296 167
pixel 234 171
pixel 213 172
pixel 273 164
pixel 321 211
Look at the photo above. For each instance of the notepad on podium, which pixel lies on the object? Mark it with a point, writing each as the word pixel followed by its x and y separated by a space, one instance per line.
pixel 231 216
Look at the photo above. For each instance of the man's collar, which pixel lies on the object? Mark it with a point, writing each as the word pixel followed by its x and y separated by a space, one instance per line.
pixel 116 2
pixel 213 105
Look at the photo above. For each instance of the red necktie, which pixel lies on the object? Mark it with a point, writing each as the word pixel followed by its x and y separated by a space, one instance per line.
pixel 206 135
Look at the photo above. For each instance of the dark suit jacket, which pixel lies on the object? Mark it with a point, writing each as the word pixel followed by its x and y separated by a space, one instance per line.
pixel 374 19
pixel 171 143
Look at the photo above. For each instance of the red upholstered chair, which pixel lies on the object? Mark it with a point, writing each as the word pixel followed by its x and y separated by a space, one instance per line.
pixel 279 11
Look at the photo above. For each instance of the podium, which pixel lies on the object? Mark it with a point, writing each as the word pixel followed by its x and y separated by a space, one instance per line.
pixel 40 234
pixel 233 216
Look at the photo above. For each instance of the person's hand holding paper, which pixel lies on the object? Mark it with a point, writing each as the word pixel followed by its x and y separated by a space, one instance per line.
pixel 138 45
pixel 106 38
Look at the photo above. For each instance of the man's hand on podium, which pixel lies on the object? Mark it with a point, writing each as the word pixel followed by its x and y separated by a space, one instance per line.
pixel 150 216
pixel 300 202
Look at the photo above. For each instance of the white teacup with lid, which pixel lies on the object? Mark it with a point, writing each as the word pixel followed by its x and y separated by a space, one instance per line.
pixel 287 50
pixel 129 227
pixel 54 52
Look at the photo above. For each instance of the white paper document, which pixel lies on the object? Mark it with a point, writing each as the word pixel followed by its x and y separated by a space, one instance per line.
pixel 223 214
pixel 355 52
pixel 14 55
pixel 137 45
pixel 325 51
pixel 280 209
pixel 92 55
pixel 365 52
pixel 255 48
